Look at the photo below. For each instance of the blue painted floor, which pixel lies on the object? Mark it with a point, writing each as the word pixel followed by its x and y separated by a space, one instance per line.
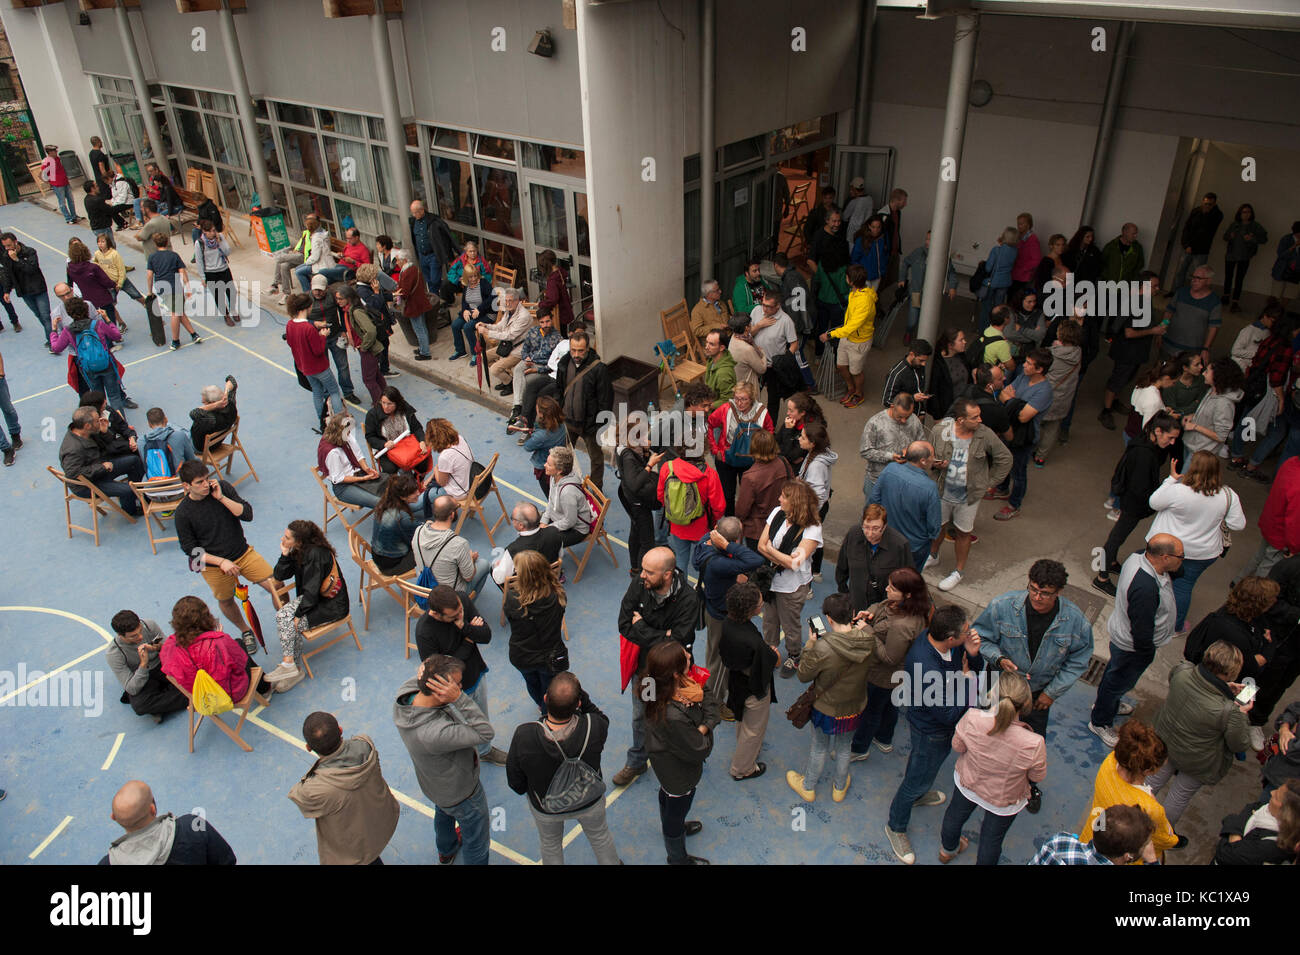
pixel 62 764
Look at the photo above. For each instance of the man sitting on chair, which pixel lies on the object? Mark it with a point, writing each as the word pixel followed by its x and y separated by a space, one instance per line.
pixel 437 545
pixel 216 413
pixel 547 541
pixel 567 508
pixel 82 454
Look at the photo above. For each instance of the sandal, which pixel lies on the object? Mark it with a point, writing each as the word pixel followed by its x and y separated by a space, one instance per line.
pixel 946 857
pixel 759 770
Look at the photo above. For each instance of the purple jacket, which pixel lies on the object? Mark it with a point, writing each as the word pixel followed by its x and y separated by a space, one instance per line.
pixel 65 337
pixel 96 287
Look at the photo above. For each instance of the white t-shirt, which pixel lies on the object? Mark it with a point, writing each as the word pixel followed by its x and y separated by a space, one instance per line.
pixel 774 339
pixel 788 581
pixel 455 462
pixel 1147 401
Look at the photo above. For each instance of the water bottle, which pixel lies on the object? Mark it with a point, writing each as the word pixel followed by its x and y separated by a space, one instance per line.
pixel 650 423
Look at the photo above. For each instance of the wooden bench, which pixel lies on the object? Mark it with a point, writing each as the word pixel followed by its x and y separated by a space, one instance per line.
pixel 191 201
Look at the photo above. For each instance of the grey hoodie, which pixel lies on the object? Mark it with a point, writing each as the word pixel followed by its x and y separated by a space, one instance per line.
pixel 817 472
pixel 1064 378
pixel 151 845
pixel 442 741
pixel 448 553
pixel 1216 412
pixel 565 508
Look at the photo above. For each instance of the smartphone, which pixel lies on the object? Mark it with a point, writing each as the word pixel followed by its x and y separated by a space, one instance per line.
pixel 1247 693
pixel 817 626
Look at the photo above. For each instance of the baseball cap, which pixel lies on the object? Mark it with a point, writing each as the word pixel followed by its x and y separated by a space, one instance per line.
pixel 858 183
pixel 319 281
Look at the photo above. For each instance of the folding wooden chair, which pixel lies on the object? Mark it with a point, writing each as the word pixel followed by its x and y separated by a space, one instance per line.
pixel 372 578
pixel 799 210
pixel 598 537
pixel 323 637
pixel 158 501
pixel 410 609
pixel 93 498
pixel 680 370
pixel 217 449
pixel 471 503
pixel 241 707
pixel 503 275
pixel 341 509
pixel 676 321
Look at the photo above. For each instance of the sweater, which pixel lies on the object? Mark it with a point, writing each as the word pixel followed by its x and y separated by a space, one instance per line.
pixel 308 345
pixel 883 437
pixel 536 752
pixel 1200 724
pixel 209 525
pixel 434 636
pixel 566 508
pixel 1144 615
pixel 441 741
pixel 1110 789
pixel 1195 518
pixel 354 810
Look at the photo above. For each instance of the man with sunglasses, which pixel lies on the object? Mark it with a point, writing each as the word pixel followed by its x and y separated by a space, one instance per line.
pixel 1042 635
pixel 1142 622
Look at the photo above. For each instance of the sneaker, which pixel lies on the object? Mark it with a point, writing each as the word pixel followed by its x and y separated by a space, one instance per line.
pixel 795 781
pixel 495 756
pixel 284 671
pixel 1125 709
pixel 759 770
pixel 1236 464
pixel 1104 585
pixel 1035 802
pixel 1039 462
pixel 130 404
pixel 9 458
pixel 418 357
pixel 17 441
pixel 196 339
pixel 859 757
pixel 901 845
pixel 1257 738
pixel 934 797
pixel 473 361
pixel 455 356
pixel 522 439
pixel 883 747
pixel 930 561
pixel 854 401
pixel 391 373
pixel 281 299
pixel 176 345
pixel 1113 514
pixel 951 581
pixel 626 775
pixel 993 494
pixel 945 857
pixel 1107 419
pixel 1105 733
pixel 839 794
pixel 284 686
pixel 1007 513
pixel 789 668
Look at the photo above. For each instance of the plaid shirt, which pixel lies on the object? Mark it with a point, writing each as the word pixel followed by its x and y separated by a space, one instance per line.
pixel 1064 848
pixel 537 346
pixel 1274 354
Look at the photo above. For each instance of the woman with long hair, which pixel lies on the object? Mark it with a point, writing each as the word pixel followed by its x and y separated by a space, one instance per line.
pixel 815 440
pixel 548 432
pixel 1210 425
pixel 896 621
pixel 110 260
pixel 999 759
pixel 1244 237
pixel 792 534
pixel 535 610
pixel 388 423
pixel 397 516
pixel 1194 507
pixel 97 288
pixel 1052 260
pixel 1189 385
pixel 799 408
pixel 451 470
pixel 1028 324
pixel 760 485
pixel 198 643
pixel 679 722
pixel 1121 781
pixel 1147 398
pixel 322 595
pixel 1083 255
pixel 341 462
pixel 949 373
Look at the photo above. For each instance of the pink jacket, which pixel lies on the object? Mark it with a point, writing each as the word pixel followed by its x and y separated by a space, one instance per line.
pixel 214 651
pixel 1028 254
pixel 998 768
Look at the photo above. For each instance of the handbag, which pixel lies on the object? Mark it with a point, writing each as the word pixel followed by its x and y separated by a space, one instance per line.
pixel 504 347
pixel 333 582
pixel 1225 533
pixel 407 453
pixel 558 662
pixel 800 711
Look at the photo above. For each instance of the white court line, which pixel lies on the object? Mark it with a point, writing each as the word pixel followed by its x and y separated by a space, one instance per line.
pixel 112 753
pixel 50 838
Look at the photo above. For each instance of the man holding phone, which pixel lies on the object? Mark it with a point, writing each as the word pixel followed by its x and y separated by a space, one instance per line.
pixel 209 531
pixel 133 658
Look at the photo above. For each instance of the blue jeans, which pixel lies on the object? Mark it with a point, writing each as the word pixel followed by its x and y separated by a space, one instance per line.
pixel 878 721
pixel 661 528
pixel 472 814
pixel 993 828
pixel 432 272
pixel 1291 448
pixel 480 698
pixel 340 356
pixel 421 328
pixel 304 274
pixel 107 230
pixel 126 467
pixel 107 382
pixel 636 754
pixel 40 306
pixel 1121 675
pixel 322 385
pixel 481 570
pixel 462 334
pixel 920 554
pixel 1019 477
pixel 354 494
pixel 673 811
pixel 536 682
pixel 64 196
pixel 682 550
pixel 11 416
pixel 837 747
pixel 1274 436
pixel 923 765
pixel 1183 584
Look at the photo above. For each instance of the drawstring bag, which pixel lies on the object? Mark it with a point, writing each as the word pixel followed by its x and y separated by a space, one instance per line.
pixel 208 696
pixel 575 784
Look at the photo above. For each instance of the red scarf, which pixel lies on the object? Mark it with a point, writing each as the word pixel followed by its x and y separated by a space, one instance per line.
pixel 322 452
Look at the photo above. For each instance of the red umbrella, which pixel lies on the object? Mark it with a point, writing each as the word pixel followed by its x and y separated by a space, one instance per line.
pixel 255 625
pixel 478 358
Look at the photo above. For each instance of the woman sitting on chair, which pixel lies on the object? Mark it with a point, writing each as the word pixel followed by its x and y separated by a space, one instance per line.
pixel 322 595
pixel 388 423
pixel 339 459
pixel 198 643
pixel 397 515
pixel 450 474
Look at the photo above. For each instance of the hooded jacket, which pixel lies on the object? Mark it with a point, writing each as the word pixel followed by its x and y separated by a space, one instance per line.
pixel 1216 412
pixel 837 666
pixel 355 811
pixel 1064 378
pixel 213 651
pixel 96 287
pixel 709 486
pixel 567 509
pixel 677 748
pixel 1200 724
pixel 168 840
pixel 1137 475
pixel 442 741
pixel 177 440
pixel 817 472
pixel 676 612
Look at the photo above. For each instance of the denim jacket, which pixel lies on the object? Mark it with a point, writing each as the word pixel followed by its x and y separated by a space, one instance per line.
pixel 1063 655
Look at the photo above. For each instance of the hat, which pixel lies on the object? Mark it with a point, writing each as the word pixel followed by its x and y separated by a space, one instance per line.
pixel 857 182
pixel 51 149
pixel 319 281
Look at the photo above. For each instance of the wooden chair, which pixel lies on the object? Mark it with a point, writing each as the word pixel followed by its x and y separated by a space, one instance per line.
pixel 316 639
pixel 675 321
pixel 598 537
pixel 93 498
pixel 680 371
pixel 158 499
pixel 799 209
pixel 215 451
pixel 410 609
pixel 471 503
pixel 503 275
pixel 340 508
pixel 241 707
pixel 372 578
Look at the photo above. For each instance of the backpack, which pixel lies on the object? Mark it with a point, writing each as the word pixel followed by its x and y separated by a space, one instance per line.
pixel 426 578
pixel 1198 641
pixel 209 698
pixel 92 356
pixel 979 278
pixel 682 501
pixel 974 356
pixel 738 455
pixel 158 461
pixel 575 784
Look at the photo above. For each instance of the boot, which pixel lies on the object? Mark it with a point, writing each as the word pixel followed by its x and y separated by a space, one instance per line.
pixel 677 855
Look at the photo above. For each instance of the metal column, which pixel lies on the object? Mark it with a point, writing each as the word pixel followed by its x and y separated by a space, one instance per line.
pixel 862 106
pixel 382 50
pixel 244 105
pixel 708 149
pixel 157 151
pixel 945 194
pixel 1106 128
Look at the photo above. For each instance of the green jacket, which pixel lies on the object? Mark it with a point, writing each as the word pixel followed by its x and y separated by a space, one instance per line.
pixel 1119 265
pixel 837 666
pixel 987 462
pixel 720 375
pixel 742 299
pixel 1201 725
pixel 365 327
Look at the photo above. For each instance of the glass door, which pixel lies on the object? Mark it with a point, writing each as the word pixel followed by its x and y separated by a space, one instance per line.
pixel 557 220
pixel 875 164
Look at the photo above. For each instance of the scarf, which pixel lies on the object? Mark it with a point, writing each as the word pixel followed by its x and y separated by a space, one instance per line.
pixel 323 450
pixel 688 692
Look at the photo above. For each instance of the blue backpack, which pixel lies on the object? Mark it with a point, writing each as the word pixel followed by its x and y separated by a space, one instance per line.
pixel 426 578
pixel 92 356
pixel 738 455
pixel 158 461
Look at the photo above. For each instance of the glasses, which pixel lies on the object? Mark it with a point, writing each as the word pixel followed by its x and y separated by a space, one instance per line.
pixel 1042 593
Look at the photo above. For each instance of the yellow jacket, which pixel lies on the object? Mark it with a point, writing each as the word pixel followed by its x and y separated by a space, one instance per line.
pixel 112 264
pixel 859 317
pixel 1111 790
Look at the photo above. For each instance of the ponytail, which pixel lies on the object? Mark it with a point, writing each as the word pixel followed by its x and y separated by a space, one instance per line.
pixel 1014 700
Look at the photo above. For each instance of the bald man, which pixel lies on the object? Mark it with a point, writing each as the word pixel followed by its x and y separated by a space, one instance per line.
pixel 1142 622
pixel 909 495
pixel 152 839
pixel 659 605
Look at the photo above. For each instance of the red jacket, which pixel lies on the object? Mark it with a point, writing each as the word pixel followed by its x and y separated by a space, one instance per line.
pixel 722 430
pixel 308 347
pixel 1279 522
pixel 415 294
pixel 213 651
pixel 710 487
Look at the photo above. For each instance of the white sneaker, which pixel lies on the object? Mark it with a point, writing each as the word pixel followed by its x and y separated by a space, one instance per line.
pixel 951 581
pixel 1125 709
pixel 285 671
pixel 1257 738
pixel 1112 515
pixel 930 562
pixel 284 686
pixel 1105 733
pixel 883 747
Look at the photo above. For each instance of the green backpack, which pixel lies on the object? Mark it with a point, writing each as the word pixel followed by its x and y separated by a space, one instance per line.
pixel 682 501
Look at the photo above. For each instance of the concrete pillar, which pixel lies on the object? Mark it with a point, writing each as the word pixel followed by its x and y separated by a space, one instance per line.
pixel 1106 127
pixel 244 105
pixel 400 171
pixel 862 102
pixel 157 151
pixel 708 146
pixel 635 139
pixel 945 194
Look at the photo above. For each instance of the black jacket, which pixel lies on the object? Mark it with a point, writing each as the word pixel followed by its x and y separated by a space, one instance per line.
pixel 535 632
pixel 942 390
pixel 862 574
pixel 1136 477
pixel 196 842
pixel 534 758
pixel 375 420
pixel 638 485
pixel 676 746
pixel 25 272
pixel 208 210
pixel 434 636
pixel 597 394
pixel 749 662
pixel 677 613
pixel 1246 637
pixel 441 238
pixel 546 541
pixel 787 439
pixel 211 422
pixel 309 574
pixel 1284 766
pixel 99 214
pixel 1258 848
pixel 80 456
pixel 1201 230
pixel 1086 263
